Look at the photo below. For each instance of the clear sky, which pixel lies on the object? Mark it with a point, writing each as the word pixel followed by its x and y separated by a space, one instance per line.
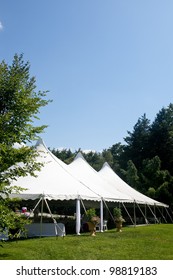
pixel 105 63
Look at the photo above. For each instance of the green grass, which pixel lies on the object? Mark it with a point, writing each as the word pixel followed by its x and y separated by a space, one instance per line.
pixel 154 242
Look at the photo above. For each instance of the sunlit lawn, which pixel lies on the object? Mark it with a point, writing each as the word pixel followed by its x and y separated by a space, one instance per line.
pixel 154 242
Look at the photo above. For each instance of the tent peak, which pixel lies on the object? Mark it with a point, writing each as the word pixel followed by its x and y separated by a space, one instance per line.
pixel 40 142
pixel 79 155
pixel 106 164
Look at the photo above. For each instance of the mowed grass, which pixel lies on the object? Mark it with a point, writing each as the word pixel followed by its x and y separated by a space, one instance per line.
pixel 154 242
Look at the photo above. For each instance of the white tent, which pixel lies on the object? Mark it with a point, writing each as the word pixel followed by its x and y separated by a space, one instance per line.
pixel 54 182
pixel 110 176
pixel 90 177
pixel 111 187
pixel 77 181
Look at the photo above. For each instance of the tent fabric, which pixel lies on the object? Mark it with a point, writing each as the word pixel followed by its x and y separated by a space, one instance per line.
pixel 90 177
pixel 78 180
pixel 54 180
pixel 108 174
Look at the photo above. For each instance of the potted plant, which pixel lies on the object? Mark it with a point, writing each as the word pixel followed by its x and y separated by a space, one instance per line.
pixel 118 218
pixel 92 220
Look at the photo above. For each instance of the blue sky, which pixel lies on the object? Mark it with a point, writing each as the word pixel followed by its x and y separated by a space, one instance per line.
pixel 105 63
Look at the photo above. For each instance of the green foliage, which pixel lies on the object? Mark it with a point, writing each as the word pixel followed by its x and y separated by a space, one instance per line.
pixel 19 106
pixel 10 220
pixel 117 212
pixel 151 192
pixel 118 215
pixel 65 155
pixel 161 137
pixel 137 142
pixel 95 159
pixel 89 214
pixel 131 174
pixel 145 160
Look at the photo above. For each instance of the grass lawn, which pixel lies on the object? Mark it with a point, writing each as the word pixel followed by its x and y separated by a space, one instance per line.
pixel 154 242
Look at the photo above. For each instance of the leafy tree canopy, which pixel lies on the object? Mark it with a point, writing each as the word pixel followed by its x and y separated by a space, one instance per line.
pixel 19 106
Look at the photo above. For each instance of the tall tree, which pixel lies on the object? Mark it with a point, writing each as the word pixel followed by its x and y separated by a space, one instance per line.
pixel 19 105
pixel 161 138
pixel 107 156
pixel 94 159
pixel 117 151
pixel 136 148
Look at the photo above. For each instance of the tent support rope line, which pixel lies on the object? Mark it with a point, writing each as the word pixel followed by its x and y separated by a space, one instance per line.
pixel 162 215
pixel 168 214
pixel 128 214
pixel 145 218
pixel 156 219
pixel 54 220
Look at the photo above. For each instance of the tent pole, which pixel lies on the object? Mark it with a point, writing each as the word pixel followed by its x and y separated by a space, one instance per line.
pixel 168 214
pixel 78 216
pixel 101 215
pixel 145 210
pixel 145 218
pixel 134 210
pixel 41 220
pixel 128 213
pixel 49 209
pixel 36 205
pixel 83 205
pixel 162 215
pixel 32 211
pixel 155 212
pixel 54 220
pixel 156 220
pixel 109 211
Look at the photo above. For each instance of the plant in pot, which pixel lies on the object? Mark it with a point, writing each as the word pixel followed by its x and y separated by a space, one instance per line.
pixel 118 218
pixel 92 220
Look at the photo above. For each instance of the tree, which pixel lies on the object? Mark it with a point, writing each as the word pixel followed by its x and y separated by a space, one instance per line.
pixel 161 138
pixel 19 106
pixel 94 159
pixel 131 175
pixel 107 156
pixel 137 142
pixel 152 176
pixel 65 155
pixel 117 151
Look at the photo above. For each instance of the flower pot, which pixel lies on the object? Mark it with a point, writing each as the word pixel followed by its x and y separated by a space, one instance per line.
pixel 119 226
pixel 92 228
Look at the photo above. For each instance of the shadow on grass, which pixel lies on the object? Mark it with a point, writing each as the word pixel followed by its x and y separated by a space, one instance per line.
pixel 4 255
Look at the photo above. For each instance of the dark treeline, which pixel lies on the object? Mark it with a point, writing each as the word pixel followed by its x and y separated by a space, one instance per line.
pixel 145 161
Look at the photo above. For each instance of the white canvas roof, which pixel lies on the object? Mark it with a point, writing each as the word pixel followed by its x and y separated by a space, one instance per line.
pixel 57 180
pixel 108 174
pixel 90 177
pixel 54 180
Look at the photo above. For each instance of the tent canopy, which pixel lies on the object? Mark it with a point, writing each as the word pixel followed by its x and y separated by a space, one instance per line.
pixel 108 174
pixel 90 177
pixel 54 180
pixel 59 181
